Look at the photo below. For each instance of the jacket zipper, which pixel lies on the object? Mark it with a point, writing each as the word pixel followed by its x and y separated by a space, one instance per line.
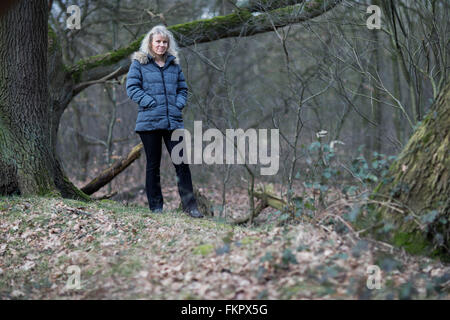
pixel 165 95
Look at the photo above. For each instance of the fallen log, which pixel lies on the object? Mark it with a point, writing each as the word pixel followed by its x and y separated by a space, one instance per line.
pixel 110 173
pixel 259 208
pixel 106 196
pixel 267 199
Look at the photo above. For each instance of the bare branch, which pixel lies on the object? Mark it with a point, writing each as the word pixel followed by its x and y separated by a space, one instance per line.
pixel 80 87
pixel 241 23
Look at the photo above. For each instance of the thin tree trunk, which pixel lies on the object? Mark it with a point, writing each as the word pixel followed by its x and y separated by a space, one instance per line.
pixel 398 95
pixel 83 153
pixel 377 108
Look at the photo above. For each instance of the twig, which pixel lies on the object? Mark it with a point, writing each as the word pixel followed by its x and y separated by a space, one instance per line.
pixel 78 88
pixel 342 220
pixel 79 212
pixel 106 196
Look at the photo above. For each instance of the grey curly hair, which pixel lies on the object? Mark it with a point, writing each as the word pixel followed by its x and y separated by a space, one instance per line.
pixel 161 30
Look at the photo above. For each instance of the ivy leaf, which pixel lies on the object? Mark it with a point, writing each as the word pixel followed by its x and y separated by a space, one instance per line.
pixel 267 257
pixel 288 257
pixel 430 217
pixel 354 213
pixel 326 174
pixel 375 164
pixel 372 177
pixel 224 249
pixel 314 145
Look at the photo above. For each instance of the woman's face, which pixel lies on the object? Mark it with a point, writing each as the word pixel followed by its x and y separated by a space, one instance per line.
pixel 160 44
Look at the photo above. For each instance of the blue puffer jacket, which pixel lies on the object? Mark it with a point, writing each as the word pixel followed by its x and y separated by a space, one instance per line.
pixel 160 92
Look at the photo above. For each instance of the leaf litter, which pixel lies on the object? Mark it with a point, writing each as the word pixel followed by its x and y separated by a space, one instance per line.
pixel 125 252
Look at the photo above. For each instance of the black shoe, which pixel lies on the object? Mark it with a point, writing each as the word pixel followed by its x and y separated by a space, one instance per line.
pixel 158 210
pixel 194 213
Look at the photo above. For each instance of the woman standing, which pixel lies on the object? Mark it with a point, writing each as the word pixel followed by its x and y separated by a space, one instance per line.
pixel 156 83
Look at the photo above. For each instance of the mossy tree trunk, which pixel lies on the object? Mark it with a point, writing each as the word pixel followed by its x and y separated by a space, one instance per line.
pixel 414 204
pixel 36 88
pixel 28 163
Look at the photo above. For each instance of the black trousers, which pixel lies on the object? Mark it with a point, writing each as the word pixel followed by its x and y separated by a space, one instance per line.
pixel 152 141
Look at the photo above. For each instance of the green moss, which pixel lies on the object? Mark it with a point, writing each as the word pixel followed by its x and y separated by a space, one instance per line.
pixel 107 201
pixel 44 186
pixel 53 42
pixel 377 188
pixel 413 243
pixel 71 191
pixel 215 24
pixel 105 59
pixel 314 5
pixel 50 193
pixel 248 240
pixel 404 234
pixel 203 249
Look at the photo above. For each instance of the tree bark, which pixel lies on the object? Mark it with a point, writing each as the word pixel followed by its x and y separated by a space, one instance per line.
pixel 28 163
pixel 5 5
pixel 414 203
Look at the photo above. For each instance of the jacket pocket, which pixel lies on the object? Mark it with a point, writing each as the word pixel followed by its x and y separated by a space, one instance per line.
pixel 149 106
pixel 175 111
pixel 147 102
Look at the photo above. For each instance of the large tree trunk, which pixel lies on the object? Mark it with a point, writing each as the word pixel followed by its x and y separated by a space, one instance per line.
pixel 28 163
pixel 414 205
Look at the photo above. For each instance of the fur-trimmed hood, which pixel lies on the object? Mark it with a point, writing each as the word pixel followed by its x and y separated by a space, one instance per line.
pixel 143 54
pixel 144 58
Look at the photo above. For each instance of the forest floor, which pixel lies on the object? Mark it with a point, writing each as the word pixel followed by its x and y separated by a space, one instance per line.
pixel 126 252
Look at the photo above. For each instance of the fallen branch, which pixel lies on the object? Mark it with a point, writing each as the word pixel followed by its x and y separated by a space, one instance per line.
pixel 110 173
pixel 79 212
pixel 349 227
pixel 272 200
pixel 267 199
pixel 259 208
pixel 106 196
